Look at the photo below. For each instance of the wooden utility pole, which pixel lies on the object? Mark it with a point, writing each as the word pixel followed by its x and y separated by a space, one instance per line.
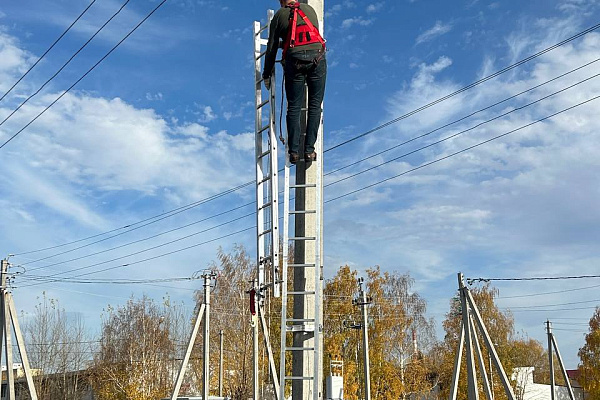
pixel 304 279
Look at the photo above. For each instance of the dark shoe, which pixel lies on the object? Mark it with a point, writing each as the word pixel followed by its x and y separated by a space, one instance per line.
pixel 294 158
pixel 310 157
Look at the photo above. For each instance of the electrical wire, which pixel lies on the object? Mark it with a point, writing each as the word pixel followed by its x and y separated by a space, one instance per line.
pixel 155 247
pixel 83 76
pixel 133 242
pixel 476 83
pixel 358 190
pixel 547 293
pixel 539 278
pixel 552 305
pixel 47 51
pixel 461 132
pixel 462 151
pixel 64 65
pixel 331 172
pixel 155 257
pixel 471 85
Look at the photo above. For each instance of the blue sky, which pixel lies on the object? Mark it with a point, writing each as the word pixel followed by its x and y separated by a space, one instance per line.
pixel 168 119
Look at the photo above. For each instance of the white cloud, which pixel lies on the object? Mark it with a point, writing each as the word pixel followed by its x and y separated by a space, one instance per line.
pixel 360 21
pixel 438 29
pixel 372 8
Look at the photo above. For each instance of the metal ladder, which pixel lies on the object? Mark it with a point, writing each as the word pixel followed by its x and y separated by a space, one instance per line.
pixel 267 179
pixel 307 332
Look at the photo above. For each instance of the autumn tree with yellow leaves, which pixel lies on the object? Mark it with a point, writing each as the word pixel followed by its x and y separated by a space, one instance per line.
pixel 398 367
pixel 589 355
pixel 136 356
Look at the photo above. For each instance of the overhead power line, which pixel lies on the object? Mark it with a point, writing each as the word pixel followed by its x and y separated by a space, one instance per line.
pixel 470 281
pixel 471 85
pixel 463 131
pixel 361 189
pixel 476 83
pixel 64 65
pixel 329 173
pixel 462 151
pixel 48 50
pixel 83 76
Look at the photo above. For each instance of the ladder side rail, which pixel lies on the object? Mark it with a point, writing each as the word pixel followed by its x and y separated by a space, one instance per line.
pixel 260 175
pixel 274 183
pixel 284 273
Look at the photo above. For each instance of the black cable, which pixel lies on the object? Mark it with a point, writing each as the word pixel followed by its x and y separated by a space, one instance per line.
pixel 130 243
pixel 466 116
pixel 547 293
pixel 47 51
pixel 185 208
pixel 555 305
pixel 154 247
pixel 65 64
pixel 461 132
pixel 557 309
pixel 355 191
pixel 462 151
pixel 144 222
pixel 540 278
pixel 470 86
pixel 83 76
pixel 374 129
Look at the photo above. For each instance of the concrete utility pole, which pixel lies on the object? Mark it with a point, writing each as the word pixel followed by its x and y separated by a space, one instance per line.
pixel 551 360
pixel 363 301
pixel 304 280
pixel 206 338
pixel 221 363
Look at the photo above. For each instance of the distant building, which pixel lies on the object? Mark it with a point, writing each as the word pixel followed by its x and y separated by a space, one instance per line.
pixel 527 389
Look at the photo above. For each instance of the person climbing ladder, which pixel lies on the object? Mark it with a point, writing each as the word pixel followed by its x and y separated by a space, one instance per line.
pixel 297 27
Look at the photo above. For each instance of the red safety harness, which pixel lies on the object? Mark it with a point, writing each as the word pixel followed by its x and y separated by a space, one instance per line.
pixel 300 35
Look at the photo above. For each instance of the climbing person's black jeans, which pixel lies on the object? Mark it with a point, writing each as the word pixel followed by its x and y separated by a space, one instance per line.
pixel 299 69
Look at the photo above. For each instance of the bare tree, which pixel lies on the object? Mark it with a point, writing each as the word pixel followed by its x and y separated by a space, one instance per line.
pixel 59 351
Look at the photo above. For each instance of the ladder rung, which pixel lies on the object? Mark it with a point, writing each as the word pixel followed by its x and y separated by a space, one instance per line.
pixel 299 378
pixel 264 128
pixel 303 238
pixel 263 42
pixel 265 232
pixel 300 328
pixel 264 103
pixel 303 212
pixel 301 293
pixel 264 154
pixel 300 320
pixel 266 205
pixel 261 54
pixel 303 186
pixel 300 349
pixel 301 265
pixel 268 178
